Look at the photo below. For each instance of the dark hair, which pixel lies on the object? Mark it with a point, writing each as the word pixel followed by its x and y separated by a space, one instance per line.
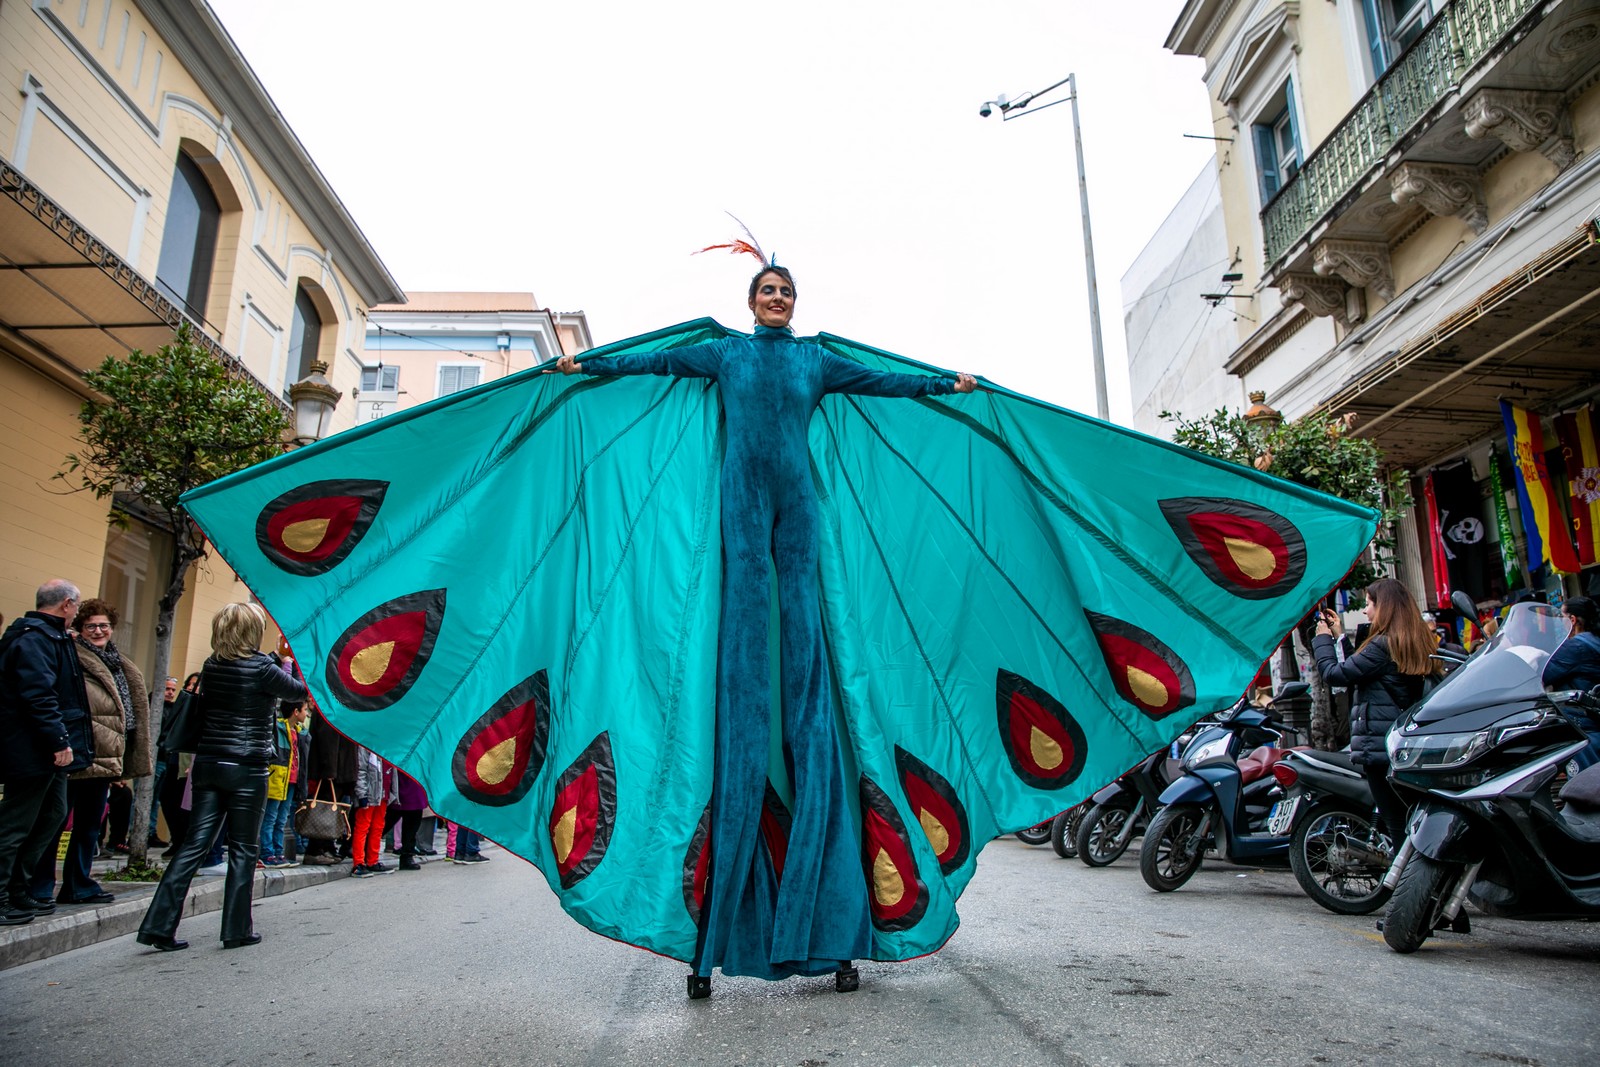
pixel 95 606
pixel 1585 611
pixel 191 680
pixel 782 272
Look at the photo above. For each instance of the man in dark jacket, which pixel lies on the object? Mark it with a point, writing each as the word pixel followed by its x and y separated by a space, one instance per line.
pixel 41 689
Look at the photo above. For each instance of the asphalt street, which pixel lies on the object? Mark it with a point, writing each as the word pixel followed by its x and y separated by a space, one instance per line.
pixel 1055 964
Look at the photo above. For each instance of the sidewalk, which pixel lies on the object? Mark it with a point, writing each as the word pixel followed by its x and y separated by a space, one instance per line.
pixel 77 925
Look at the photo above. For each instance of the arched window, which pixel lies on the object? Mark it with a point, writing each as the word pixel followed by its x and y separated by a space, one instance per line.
pixel 189 240
pixel 305 335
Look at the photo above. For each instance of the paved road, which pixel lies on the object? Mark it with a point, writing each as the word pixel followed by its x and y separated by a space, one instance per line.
pixel 1056 964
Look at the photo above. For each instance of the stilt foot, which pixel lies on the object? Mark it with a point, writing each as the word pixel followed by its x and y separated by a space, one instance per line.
pixel 699 986
pixel 847 979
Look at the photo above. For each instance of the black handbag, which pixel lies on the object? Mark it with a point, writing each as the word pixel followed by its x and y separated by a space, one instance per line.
pixel 184 722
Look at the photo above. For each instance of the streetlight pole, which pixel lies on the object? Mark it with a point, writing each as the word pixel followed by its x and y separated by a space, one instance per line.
pixel 1012 109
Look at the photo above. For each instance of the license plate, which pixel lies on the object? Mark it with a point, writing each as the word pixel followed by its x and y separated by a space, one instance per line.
pixel 1282 816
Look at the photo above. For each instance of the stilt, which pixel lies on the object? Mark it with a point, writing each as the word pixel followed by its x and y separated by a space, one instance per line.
pixel 699 986
pixel 847 979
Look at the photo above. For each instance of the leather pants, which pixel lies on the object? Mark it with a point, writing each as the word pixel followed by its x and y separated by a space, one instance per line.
pixel 238 791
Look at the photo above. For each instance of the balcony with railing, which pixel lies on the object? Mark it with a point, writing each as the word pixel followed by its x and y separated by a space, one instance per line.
pixel 1393 120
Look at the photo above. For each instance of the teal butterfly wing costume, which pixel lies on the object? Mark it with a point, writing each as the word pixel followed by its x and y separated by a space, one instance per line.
pixel 550 600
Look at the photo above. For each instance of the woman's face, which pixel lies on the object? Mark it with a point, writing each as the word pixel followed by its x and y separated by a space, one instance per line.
pixel 773 303
pixel 96 630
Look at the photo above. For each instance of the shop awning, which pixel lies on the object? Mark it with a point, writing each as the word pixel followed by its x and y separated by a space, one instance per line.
pixel 66 297
pixel 1533 338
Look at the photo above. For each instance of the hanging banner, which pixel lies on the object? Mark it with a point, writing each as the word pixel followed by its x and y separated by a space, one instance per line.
pixel 1502 522
pixel 1437 553
pixel 1575 431
pixel 1548 539
pixel 1461 529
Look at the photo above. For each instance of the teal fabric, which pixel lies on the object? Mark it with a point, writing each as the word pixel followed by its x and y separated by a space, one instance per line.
pixel 1006 592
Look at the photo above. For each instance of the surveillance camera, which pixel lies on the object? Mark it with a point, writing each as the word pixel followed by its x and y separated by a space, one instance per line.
pixel 986 110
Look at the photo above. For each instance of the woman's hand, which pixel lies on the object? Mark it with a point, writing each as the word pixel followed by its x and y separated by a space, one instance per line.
pixel 1329 623
pixel 965 383
pixel 566 365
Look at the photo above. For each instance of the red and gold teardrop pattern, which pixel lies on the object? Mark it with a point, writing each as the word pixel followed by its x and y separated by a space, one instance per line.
pixel 775 822
pixel 584 812
pixel 497 760
pixel 897 898
pixel 379 657
pixel 1045 744
pixel 1246 549
pixel 697 867
pixel 313 528
pixel 1145 672
pixel 939 811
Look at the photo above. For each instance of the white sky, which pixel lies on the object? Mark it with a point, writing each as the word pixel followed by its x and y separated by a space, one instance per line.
pixel 582 150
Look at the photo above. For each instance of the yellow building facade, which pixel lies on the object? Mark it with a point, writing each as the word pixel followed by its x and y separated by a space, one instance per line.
pixel 1409 190
pixel 146 179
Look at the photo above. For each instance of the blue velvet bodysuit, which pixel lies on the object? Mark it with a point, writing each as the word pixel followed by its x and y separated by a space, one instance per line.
pixel 817 917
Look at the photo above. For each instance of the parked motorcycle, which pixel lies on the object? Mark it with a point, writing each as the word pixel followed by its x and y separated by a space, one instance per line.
pixel 1036 835
pixel 1479 757
pixel 1337 848
pixel 1222 798
pixel 1064 829
pixel 1122 810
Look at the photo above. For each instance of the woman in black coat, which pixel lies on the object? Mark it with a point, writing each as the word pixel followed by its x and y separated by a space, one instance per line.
pixel 239 692
pixel 1386 675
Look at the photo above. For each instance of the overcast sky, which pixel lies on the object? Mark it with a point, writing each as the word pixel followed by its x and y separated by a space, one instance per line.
pixel 582 150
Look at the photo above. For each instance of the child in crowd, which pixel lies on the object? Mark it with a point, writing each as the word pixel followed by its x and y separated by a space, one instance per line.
pixel 374 785
pixel 280 801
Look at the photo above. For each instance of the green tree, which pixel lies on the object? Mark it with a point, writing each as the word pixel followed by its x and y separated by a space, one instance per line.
pixel 162 423
pixel 1319 451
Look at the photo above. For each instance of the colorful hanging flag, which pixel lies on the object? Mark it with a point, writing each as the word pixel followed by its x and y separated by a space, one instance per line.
pixel 1436 547
pixel 1461 527
pixel 1548 539
pixel 1502 522
pixel 1575 431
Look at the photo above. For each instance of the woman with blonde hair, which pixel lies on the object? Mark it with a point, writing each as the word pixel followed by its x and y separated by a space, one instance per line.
pixel 1387 674
pixel 240 687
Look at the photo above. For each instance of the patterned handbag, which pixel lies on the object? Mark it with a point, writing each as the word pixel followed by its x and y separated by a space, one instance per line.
pixel 325 820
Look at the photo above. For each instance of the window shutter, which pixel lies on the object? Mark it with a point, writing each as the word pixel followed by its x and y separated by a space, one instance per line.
pixel 1375 43
pixel 1266 161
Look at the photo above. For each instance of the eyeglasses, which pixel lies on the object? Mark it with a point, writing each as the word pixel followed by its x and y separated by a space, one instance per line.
pixel 96 626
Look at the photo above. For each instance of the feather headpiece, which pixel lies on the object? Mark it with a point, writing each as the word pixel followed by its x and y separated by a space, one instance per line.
pixel 739 246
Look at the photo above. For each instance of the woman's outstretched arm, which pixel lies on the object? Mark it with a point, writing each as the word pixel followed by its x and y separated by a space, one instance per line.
pixel 840 375
pixel 690 361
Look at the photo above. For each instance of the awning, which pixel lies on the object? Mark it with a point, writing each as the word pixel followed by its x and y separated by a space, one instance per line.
pixel 1533 337
pixel 70 298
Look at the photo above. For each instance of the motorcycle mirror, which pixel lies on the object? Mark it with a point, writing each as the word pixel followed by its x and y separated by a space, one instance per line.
pixel 1464 604
pixel 1290 690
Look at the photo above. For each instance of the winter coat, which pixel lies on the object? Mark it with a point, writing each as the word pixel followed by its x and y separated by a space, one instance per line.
pixel 1576 664
pixel 239 708
pixel 412 796
pixel 1379 693
pixel 374 780
pixel 333 755
pixel 111 756
pixel 40 684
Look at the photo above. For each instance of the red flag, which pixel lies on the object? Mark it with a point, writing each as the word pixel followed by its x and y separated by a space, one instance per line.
pixel 1436 547
pixel 1575 431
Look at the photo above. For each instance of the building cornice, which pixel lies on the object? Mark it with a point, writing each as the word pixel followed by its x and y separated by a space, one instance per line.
pixel 201 44
pixel 1197 26
pixel 1289 320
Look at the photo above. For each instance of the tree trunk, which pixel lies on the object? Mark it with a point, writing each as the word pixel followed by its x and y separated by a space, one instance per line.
pixel 183 558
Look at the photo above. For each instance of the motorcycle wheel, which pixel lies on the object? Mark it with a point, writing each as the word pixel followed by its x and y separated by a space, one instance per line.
pixel 1035 835
pixel 1325 853
pixel 1167 859
pixel 1097 834
pixel 1418 902
pixel 1064 831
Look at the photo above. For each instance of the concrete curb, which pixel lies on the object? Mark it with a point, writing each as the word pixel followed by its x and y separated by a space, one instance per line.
pixel 72 928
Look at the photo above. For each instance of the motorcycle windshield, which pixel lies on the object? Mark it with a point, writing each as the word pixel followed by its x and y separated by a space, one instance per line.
pixel 1509 667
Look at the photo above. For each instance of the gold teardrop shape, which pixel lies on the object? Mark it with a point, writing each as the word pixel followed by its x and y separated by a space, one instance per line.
pixel 1147 687
pixel 1046 752
pixel 887 884
pixel 369 665
pixel 306 535
pixel 561 836
pixel 495 764
pixel 1255 560
pixel 938 836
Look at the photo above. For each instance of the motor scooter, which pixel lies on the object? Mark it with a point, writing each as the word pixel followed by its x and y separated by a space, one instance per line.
pixel 1337 848
pixel 1222 798
pixel 1122 810
pixel 1482 758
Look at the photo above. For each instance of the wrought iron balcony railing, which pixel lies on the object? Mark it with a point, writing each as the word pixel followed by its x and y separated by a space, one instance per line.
pixel 1459 37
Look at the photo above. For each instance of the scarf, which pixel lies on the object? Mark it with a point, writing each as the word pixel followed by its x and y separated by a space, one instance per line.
pixel 113 661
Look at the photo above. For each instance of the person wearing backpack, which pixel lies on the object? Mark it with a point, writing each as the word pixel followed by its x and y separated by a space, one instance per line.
pixel 1391 670
pixel 1576 665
